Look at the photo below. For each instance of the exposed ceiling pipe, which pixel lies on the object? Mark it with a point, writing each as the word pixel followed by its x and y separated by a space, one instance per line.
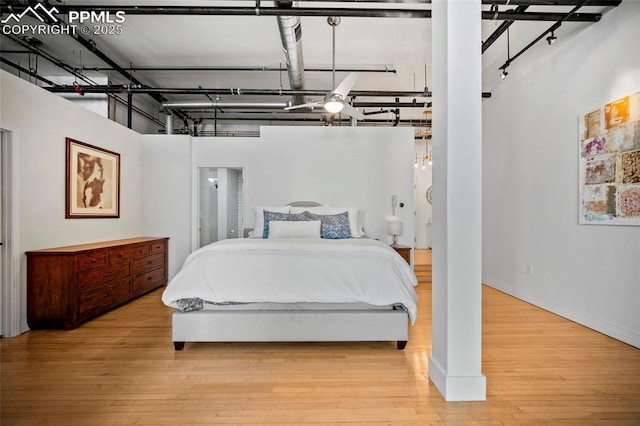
pixel 554 27
pixel 549 2
pixel 199 105
pixel 248 11
pixel 91 46
pixel 26 71
pixel 491 2
pixel 291 36
pixel 318 12
pixel 223 105
pixel 237 92
pixel 501 29
pixel 378 69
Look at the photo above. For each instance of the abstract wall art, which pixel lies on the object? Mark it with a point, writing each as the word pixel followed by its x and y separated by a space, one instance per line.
pixel 609 181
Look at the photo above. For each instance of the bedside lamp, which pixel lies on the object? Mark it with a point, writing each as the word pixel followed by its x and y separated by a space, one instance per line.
pixel 394 228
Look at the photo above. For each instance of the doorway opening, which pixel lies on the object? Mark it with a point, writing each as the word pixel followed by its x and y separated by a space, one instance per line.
pixel 220 204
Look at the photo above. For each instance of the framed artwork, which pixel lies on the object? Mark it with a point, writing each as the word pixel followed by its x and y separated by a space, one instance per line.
pixel 92 181
pixel 610 163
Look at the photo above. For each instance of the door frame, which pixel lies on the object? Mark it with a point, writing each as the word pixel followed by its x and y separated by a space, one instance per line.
pixel 12 296
pixel 195 197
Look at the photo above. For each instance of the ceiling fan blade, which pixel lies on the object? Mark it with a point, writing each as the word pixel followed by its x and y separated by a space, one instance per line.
pixel 346 85
pixel 309 105
pixel 349 110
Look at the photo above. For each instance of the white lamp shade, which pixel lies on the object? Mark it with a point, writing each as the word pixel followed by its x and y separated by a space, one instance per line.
pixel 394 227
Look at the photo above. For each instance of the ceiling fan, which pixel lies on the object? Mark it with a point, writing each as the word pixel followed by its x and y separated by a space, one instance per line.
pixel 334 101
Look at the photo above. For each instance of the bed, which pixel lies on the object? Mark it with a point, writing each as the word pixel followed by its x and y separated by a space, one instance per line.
pixel 293 287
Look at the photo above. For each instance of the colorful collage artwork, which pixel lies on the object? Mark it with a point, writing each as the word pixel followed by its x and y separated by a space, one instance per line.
pixel 610 163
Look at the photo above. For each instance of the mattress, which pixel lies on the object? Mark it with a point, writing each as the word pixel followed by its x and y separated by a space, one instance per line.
pixel 308 272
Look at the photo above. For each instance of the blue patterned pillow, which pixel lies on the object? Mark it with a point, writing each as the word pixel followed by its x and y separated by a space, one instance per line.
pixel 269 216
pixel 332 226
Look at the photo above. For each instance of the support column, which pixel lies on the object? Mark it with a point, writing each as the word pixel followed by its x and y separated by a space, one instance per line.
pixel 455 365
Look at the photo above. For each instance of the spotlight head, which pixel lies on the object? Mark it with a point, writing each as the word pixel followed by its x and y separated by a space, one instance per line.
pixel 552 38
pixel 504 74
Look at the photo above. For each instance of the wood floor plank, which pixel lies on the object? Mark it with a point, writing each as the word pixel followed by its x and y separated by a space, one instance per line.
pixel 121 369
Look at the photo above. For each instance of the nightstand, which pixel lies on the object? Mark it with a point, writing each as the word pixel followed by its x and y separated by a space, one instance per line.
pixel 403 251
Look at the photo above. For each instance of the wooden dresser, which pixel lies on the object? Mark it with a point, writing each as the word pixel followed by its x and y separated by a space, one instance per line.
pixel 69 285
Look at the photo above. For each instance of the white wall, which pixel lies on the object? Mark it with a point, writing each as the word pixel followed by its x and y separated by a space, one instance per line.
pixel 340 166
pixel 588 273
pixel 166 193
pixel 43 121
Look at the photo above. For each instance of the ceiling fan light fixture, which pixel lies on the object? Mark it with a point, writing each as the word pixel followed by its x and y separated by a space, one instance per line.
pixel 334 104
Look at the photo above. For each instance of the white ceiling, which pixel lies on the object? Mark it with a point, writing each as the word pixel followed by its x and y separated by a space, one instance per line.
pixel 402 44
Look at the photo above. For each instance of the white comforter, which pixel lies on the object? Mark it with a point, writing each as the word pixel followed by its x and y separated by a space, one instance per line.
pixel 295 271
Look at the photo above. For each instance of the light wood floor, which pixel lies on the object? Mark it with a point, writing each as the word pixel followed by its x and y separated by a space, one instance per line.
pixel 121 369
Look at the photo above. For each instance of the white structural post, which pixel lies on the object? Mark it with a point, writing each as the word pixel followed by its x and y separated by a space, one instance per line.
pixel 455 365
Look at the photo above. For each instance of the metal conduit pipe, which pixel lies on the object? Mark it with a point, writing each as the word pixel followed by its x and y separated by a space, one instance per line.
pixel 232 91
pixel 199 105
pixel 291 34
pixel 221 105
pixel 379 69
pixel 249 11
pixel 319 12
pixel 237 92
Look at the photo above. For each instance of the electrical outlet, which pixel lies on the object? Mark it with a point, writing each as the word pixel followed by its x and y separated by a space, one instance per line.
pixel 529 270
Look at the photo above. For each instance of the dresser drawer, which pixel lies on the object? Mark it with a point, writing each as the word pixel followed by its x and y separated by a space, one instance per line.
pixel 128 253
pixel 148 281
pixel 92 260
pixel 158 247
pixel 94 278
pixel 147 263
pixel 108 295
pixel 69 285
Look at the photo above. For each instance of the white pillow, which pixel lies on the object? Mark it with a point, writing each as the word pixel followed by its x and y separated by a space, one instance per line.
pixel 294 229
pixel 353 212
pixel 258 212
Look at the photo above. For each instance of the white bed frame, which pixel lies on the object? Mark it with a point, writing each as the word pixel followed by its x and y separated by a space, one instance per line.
pixel 291 325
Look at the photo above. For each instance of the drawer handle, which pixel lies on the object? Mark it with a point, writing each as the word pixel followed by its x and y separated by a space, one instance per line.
pixel 149 278
pixel 107 274
pixel 149 262
pixel 94 260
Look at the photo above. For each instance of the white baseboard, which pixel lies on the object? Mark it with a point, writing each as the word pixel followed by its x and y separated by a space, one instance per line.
pixel 457 388
pixel 616 331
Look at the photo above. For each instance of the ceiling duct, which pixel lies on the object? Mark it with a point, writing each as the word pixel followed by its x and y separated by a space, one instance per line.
pixel 291 35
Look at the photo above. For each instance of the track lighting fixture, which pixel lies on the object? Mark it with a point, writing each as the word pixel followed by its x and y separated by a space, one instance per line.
pixel 552 38
pixel 504 73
